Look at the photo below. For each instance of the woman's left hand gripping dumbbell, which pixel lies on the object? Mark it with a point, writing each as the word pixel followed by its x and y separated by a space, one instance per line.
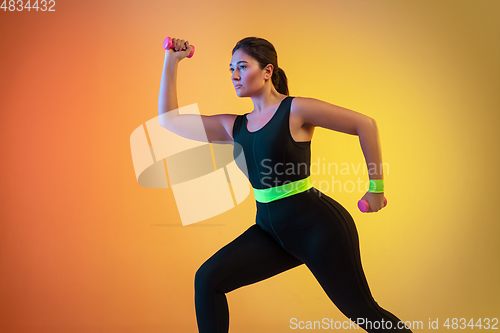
pixel 178 48
pixel 372 202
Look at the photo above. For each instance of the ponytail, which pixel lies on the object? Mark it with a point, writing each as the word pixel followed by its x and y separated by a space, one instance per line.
pixel 281 82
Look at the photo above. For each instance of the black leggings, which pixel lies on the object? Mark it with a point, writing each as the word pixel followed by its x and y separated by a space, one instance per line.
pixel 309 228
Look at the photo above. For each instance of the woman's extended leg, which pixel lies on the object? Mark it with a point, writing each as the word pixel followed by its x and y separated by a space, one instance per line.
pixel 326 240
pixel 251 257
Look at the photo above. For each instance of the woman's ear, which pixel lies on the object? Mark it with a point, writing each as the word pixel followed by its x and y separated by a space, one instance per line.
pixel 268 71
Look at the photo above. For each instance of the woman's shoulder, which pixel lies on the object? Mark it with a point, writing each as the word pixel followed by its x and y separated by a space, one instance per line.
pixel 300 104
pixel 304 105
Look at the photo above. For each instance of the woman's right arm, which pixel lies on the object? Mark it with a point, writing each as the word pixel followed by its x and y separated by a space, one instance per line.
pixel 216 128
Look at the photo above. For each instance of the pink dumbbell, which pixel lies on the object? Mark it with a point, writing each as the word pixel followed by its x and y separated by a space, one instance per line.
pixel 167 44
pixel 364 206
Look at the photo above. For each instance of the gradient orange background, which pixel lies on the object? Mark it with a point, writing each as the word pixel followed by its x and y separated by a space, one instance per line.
pixel 84 248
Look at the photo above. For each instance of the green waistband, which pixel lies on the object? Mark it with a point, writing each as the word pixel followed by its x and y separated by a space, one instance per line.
pixel 274 193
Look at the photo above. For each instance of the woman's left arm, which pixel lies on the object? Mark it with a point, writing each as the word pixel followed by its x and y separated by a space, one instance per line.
pixel 319 113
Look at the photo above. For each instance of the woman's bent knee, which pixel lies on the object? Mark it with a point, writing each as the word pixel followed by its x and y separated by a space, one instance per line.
pixel 206 277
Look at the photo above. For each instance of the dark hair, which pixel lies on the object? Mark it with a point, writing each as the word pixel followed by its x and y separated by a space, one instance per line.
pixel 265 53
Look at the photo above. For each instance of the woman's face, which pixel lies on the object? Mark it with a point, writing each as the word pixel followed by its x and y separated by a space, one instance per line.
pixel 246 74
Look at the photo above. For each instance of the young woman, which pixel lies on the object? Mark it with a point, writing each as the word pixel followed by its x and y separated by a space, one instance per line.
pixel 295 223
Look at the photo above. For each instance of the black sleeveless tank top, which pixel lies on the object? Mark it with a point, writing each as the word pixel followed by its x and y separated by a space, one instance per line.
pixel 271 156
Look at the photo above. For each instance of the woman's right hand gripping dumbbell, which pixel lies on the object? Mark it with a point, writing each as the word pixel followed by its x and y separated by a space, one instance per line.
pixel 178 48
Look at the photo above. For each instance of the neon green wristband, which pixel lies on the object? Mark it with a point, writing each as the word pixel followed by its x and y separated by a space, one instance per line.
pixel 376 186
